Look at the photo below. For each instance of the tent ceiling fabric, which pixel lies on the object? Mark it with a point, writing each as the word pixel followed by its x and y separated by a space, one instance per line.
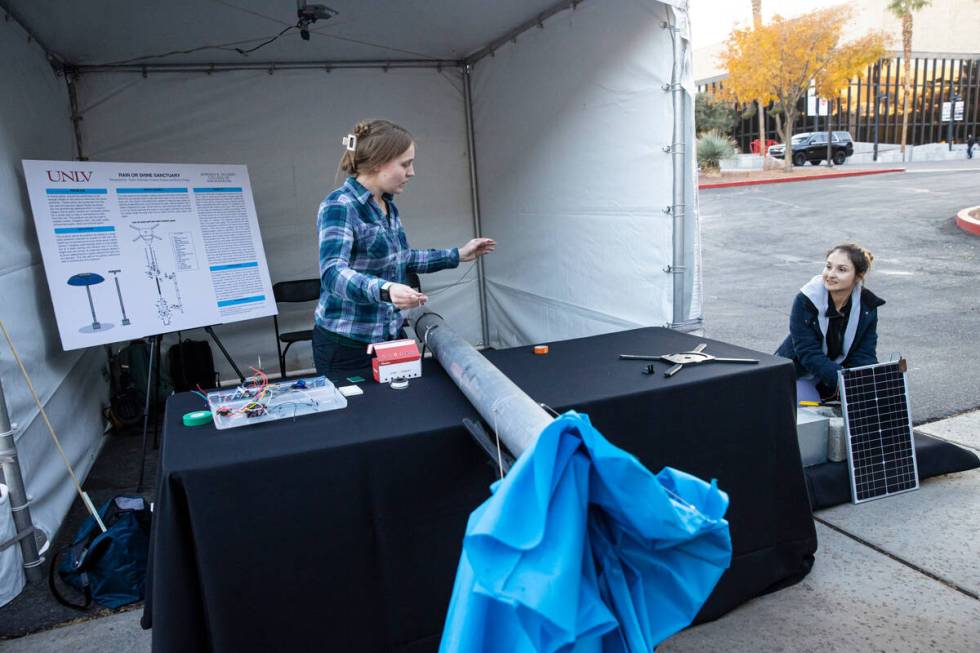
pixel 363 30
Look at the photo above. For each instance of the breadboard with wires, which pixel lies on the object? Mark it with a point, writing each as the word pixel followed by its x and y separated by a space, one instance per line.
pixel 259 400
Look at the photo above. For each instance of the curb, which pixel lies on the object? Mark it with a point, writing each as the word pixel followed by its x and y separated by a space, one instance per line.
pixel 967 223
pixel 785 180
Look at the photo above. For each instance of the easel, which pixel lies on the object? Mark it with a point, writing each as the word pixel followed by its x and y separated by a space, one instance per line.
pixel 153 386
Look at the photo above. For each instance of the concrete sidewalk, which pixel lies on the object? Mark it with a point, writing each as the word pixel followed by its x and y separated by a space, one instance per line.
pixel 898 574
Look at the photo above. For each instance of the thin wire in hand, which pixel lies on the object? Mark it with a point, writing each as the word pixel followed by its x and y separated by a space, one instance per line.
pixel 458 282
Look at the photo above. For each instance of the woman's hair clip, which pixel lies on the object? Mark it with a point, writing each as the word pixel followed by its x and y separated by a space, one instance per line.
pixel 350 142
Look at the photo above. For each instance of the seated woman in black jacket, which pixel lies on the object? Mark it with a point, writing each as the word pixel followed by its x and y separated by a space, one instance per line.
pixel 834 322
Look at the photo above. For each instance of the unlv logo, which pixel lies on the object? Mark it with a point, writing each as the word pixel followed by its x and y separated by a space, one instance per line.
pixel 77 176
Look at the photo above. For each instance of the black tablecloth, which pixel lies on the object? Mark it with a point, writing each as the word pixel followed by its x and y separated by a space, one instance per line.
pixel 341 531
pixel 829 484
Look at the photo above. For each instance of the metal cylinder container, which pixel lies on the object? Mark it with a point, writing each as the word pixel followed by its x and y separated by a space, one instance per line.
pixel 515 417
pixel 836 444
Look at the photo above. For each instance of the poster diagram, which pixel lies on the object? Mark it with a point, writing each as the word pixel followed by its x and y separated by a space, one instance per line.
pixel 122 306
pixel 87 280
pixel 133 249
pixel 163 280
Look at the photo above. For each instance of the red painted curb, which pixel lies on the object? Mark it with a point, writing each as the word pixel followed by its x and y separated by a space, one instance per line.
pixel 784 180
pixel 967 223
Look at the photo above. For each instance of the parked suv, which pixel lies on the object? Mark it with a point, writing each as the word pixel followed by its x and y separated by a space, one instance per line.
pixel 812 147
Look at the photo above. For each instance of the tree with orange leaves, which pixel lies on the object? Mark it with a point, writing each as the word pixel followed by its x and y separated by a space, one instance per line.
pixel 778 62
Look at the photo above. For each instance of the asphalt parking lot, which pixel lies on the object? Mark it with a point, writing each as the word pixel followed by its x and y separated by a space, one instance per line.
pixel 761 243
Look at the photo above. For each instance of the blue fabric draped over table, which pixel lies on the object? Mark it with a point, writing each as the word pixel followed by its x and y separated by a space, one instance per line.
pixel 581 548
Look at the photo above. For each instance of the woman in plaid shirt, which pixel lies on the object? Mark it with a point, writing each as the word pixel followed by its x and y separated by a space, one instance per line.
pixel 364 254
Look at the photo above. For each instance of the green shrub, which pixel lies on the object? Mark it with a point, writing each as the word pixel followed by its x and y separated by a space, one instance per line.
pixel 712 148
pixel 713 114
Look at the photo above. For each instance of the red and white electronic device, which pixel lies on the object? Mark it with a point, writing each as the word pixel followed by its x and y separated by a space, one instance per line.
pixel 395 359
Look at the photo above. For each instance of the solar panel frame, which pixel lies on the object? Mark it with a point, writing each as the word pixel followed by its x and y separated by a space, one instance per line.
pixel 872 474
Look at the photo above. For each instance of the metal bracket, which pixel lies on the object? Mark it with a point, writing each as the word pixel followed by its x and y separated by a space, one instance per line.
pixel 488 444
pixel 17 538
pixel 23 506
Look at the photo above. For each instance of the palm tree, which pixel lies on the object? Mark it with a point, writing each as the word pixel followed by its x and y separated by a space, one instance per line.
pixel 757 23
pixel 903 9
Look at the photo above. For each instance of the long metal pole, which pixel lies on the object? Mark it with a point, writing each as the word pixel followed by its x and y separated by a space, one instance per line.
pixel 19 504
pixel 475 200
pixel 150 392
pixel 877 100
pixel 952 114
pixel 511 414
pixel 677 148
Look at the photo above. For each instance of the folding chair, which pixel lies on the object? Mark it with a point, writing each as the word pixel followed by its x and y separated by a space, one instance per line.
pixel 302 290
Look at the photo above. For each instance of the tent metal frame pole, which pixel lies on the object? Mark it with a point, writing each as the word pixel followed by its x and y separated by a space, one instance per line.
pixel 71 82
pixel 537 21
pixel 19 501
pixel 269 66
pixel 475 201
pixel 11 15
pixel 678 209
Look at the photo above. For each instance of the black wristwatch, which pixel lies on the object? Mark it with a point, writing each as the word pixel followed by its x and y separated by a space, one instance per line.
pixel 386 292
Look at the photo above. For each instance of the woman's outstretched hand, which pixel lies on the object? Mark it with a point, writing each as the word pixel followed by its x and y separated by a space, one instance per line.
pixel 476 248
pixel 405 297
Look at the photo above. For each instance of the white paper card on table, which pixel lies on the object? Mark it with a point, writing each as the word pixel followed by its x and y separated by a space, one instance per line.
pixel 350 390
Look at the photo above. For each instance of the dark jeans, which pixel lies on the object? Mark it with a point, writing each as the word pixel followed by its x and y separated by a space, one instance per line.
pixel 337 361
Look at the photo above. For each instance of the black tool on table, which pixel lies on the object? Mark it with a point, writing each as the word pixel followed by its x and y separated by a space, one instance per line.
pixel 693 357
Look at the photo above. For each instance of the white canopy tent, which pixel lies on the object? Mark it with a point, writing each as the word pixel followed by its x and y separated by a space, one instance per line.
pixel 549 126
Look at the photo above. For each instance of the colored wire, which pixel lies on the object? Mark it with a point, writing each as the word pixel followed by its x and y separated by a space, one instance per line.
pixel 260 394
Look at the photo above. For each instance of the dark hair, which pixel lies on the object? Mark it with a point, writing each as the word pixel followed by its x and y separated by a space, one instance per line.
pixel 860 258
pixel 377 143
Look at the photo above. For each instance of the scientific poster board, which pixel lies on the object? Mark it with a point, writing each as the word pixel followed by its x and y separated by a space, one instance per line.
pixel 139 249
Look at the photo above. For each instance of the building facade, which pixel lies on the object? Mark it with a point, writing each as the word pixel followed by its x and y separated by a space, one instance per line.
pixel 945 68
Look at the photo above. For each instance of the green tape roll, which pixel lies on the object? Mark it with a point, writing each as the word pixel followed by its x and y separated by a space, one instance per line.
pixel 197 418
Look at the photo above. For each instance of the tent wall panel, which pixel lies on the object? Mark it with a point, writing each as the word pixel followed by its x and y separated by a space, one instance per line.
pixel 287 127
pixel 571 122
pixel 35 124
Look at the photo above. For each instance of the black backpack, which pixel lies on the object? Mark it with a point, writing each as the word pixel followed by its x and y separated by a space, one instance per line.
pixel 108 568
pixel 191 364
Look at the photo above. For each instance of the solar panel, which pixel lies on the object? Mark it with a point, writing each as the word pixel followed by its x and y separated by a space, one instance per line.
pixel 880 448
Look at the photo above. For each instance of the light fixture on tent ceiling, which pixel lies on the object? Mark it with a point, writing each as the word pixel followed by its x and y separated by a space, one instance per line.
pixel 309 14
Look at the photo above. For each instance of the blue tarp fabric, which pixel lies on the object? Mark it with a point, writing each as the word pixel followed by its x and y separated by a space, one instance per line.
pixel 581 548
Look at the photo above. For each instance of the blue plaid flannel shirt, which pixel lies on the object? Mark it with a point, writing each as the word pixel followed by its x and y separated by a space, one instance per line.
pixel 361 249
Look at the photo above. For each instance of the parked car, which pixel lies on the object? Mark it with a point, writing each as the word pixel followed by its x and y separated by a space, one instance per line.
pixel 812 147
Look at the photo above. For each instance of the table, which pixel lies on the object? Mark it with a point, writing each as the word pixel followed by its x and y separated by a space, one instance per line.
pixel 342 531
